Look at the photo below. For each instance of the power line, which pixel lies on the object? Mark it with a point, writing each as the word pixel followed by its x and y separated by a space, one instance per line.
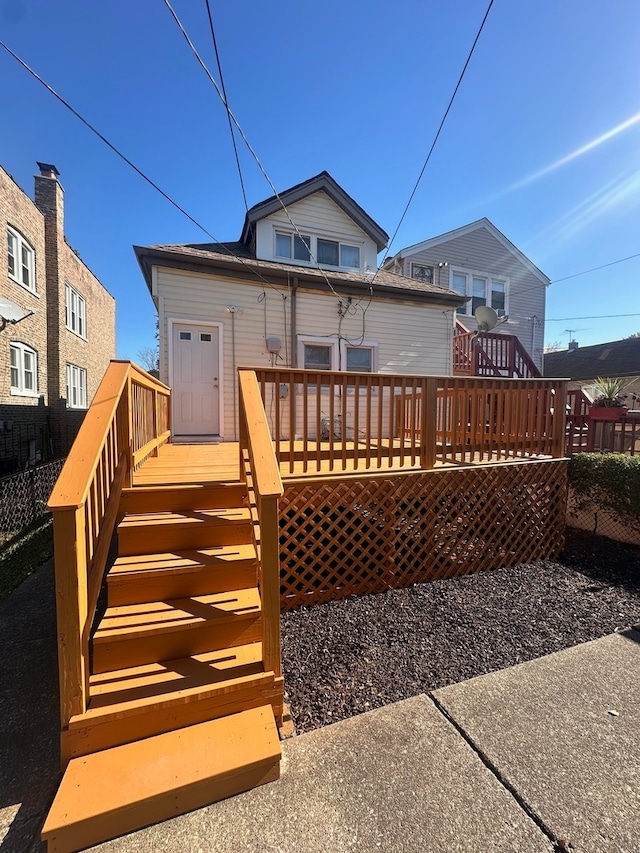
pixel 593 269
pixel 224 248
pixel 436 137
pixel 253 153
pixel 589 317
pixel 226 103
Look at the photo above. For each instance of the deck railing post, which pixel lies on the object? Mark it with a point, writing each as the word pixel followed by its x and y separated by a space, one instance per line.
pixel 428 422
pixel 71 609
pixel 559 421
pixel 270 592
pixel 124 418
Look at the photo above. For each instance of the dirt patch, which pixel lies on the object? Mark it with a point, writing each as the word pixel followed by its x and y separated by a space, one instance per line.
pixel 346 657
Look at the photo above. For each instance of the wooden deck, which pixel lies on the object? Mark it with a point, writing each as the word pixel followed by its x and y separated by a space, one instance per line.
pixel 181 464
pixel 178 464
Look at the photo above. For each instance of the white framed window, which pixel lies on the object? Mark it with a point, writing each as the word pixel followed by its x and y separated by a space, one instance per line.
pixel 21 260
pixel 24 370
pixel 76 387
pixel 315 353
pixel 328 253
pixel 483 290
pixel 360 358
pixel 75 311
pixel 293 247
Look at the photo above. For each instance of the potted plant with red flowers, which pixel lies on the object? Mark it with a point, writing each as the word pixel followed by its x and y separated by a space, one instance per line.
pixel 609 404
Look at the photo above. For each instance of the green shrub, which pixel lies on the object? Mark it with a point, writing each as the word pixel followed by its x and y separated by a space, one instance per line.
pixel 609 481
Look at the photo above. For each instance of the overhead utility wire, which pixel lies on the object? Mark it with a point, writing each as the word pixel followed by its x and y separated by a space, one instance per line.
pixel 122 156
pixel 590 317
pixel 230 114
pixel 436 137
pixel 584 272
pixel 224 92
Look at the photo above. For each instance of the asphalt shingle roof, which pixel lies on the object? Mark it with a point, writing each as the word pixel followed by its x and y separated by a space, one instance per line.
pixel 215 254
pixel 617 358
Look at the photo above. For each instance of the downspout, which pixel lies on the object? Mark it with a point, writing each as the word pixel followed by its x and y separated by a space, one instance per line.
pixel 294 348
pixel 233 310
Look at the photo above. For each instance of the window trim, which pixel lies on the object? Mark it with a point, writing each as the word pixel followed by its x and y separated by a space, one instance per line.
pixel 21 390
pixel 82 403
pixel 370 345
pixel 315 340
pixel 466 309
pixel 81 311
pixel 313 248
pixel 22 244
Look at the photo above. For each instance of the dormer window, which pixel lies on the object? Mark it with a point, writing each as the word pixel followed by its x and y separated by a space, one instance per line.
pixel 292 246
pixel 328 253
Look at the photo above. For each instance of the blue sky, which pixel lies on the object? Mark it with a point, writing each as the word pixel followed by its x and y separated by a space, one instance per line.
pixel 543 138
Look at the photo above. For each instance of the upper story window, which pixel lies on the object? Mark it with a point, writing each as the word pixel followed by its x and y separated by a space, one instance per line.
pixel 75 311
pixel 76 387
pixel 21 260
pixel 423 273
pixel 328 253
pixel 24 370
pixel 483 290
pixel 292 246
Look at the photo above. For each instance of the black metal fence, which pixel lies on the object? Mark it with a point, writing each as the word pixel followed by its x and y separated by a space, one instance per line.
pixel 24 496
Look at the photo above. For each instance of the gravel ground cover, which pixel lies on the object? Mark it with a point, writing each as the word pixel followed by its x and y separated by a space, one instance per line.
pixel 350 656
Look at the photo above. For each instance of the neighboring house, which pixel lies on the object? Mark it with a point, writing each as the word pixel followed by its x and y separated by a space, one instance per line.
pixel 479 262
pixel 311 299
pixel 57 325
pixel 583 365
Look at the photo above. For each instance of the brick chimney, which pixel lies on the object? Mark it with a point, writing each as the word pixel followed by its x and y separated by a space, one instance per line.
pixel 573 346
pixel 49 199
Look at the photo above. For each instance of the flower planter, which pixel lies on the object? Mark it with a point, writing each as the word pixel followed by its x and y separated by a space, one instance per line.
pixel 607 413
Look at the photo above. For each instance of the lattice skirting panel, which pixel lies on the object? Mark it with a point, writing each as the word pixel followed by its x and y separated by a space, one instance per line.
pixel 362 535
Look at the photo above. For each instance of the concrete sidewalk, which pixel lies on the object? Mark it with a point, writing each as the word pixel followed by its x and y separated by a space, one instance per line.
pixel 515 761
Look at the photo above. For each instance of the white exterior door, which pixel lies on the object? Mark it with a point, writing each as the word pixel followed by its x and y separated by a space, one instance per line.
pixel 195 380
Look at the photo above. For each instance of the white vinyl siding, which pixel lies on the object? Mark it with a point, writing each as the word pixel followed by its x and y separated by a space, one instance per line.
pixel 76 387
pixel 411 338
pixel 320 217
pixel 75 311
pixel 24 370
pixel 21 260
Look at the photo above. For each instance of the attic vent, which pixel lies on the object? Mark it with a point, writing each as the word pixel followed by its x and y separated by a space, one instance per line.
pixel 604 354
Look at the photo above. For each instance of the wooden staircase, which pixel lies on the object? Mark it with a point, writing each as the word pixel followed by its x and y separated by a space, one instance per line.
pixel 181 707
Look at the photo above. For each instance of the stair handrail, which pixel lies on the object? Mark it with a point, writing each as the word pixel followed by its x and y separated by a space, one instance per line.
pixel 259 467
pixel 127 421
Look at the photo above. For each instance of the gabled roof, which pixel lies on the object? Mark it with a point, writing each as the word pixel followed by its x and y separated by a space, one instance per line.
pixel 617 358
pixel 325 182
pixel 237 261
pixel 467 229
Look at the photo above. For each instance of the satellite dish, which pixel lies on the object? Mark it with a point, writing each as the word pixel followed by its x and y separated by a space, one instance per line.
pixel 9 311
pixel 486 318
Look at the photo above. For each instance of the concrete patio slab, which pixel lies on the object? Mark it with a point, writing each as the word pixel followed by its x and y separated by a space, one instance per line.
pixel 399 779
pixel 563 731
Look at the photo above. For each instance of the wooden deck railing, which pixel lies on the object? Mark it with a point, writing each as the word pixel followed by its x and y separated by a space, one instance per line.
pixel 330 421
pixel 259 468
pixel 492 354
pixel 126 422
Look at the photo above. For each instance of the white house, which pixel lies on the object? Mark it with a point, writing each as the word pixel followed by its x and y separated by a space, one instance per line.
pixel 301 288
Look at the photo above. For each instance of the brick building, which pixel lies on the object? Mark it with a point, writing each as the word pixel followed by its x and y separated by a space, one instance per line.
pixel 57 326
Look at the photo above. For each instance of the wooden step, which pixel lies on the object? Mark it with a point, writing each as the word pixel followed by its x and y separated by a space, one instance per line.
pixel 125 788
pixel 143 533
pixel 137 702
pixel 158 577
pixel 180 498
pixel 133 634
